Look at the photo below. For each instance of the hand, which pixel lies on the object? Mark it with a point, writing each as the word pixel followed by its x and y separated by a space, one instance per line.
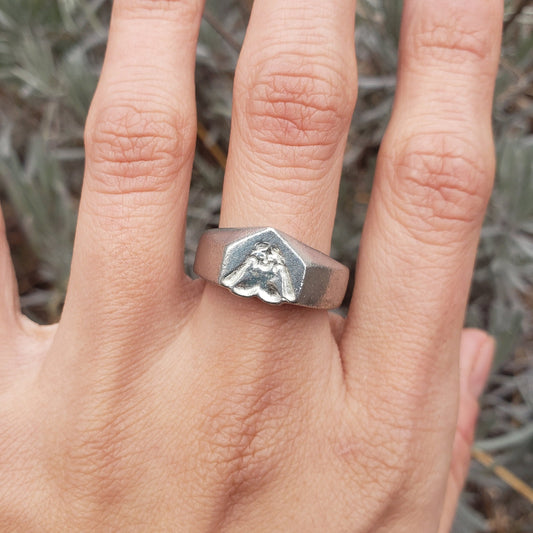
pixel 164 404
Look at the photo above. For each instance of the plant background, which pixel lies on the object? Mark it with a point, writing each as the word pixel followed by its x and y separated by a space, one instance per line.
pixel 50 57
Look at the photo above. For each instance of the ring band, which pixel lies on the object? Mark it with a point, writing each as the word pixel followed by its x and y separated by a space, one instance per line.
pixel 271 265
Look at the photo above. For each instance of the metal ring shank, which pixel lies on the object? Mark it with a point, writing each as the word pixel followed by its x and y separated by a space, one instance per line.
pixel 271 265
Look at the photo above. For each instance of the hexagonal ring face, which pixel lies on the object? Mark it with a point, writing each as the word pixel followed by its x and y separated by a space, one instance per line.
pixel 270 265
pixel 265 265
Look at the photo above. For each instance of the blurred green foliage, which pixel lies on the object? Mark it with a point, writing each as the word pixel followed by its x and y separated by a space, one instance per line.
pixel 51 53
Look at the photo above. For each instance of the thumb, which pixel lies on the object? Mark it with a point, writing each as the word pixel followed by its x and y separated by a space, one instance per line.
pixel 477 352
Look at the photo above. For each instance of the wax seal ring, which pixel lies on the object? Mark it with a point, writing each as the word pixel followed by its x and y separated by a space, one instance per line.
pixel 270 265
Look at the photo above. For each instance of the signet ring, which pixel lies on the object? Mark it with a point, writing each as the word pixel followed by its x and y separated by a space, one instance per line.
pixel 272 266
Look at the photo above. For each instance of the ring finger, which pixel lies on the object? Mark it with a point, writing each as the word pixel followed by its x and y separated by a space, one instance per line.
pixel 295 90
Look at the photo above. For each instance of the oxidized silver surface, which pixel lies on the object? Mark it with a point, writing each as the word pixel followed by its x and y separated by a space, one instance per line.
pixel 272 266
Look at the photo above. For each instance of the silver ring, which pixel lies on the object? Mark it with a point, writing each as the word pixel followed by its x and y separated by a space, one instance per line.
pixel 271 265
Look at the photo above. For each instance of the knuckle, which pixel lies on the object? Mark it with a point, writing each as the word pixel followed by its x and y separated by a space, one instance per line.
pixel 294 103
pixel 97 465
pixel 440 182
pixel 130 149
pixel 390 429
pixel 457 39
pixel 186 11
pixel 241 427
pixel 380 461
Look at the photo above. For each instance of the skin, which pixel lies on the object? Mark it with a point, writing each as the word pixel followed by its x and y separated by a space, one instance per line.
pixel 159 403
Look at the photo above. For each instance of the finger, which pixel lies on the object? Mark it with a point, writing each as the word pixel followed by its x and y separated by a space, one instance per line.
pixel 15 330
pixel 433 180
pixel 140 140
pixel 477 352
pixel 294 94
pixel 23 343
pixel 295 90
pixel 8 291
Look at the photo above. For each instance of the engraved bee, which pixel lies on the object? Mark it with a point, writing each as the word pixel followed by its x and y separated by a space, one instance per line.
pixel 264 274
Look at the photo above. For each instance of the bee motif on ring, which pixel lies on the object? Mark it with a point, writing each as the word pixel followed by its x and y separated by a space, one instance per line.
pixel 263 273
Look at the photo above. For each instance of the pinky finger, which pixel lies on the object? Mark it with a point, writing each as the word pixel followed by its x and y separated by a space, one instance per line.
pixel 477 351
